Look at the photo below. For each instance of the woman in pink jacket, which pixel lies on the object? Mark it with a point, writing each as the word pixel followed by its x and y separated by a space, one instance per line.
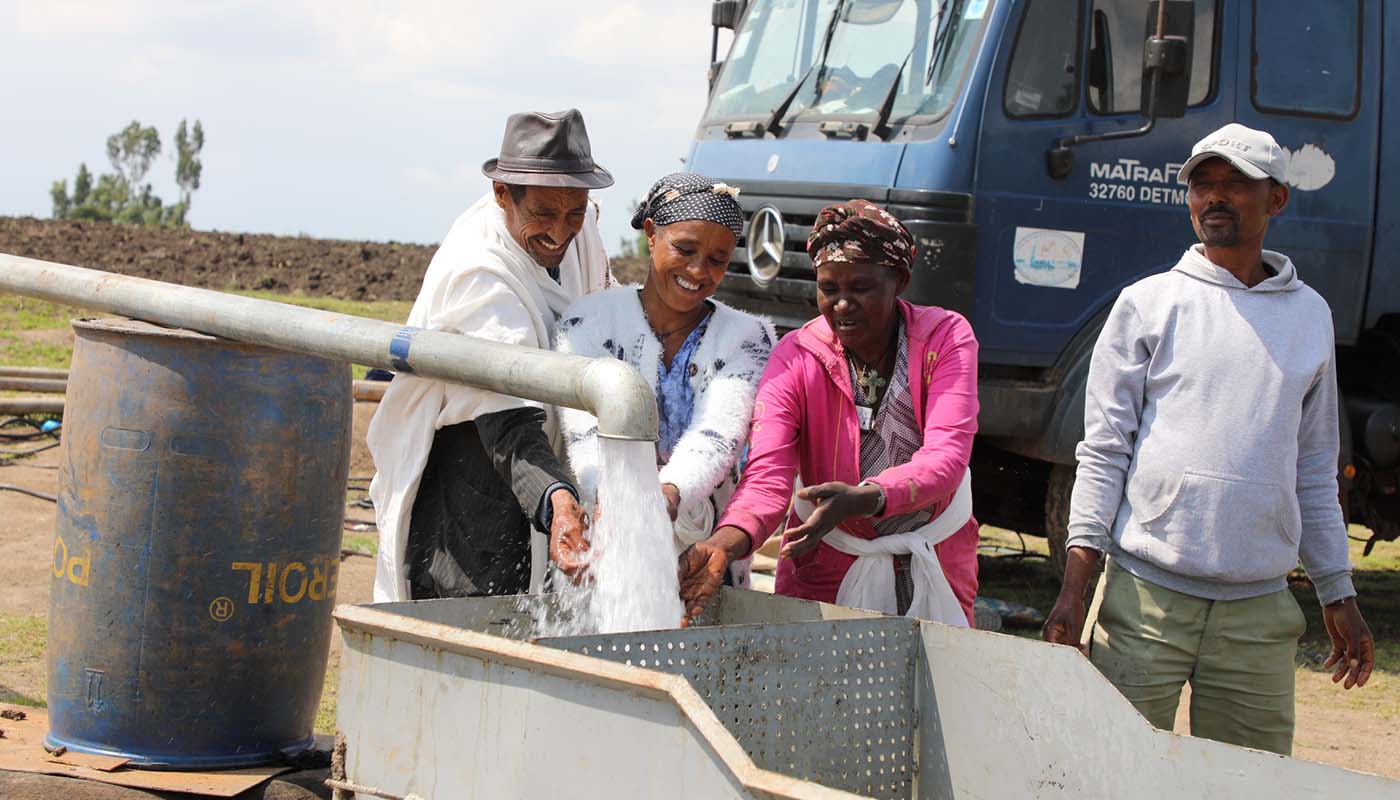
pixel 873 406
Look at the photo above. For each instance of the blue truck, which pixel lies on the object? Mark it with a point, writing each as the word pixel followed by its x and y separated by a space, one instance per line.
pixel 1031 147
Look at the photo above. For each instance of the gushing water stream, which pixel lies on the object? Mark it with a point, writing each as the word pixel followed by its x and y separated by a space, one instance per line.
pixel 632 577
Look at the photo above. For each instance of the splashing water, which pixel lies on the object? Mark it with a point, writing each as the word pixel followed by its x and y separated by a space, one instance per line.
pixel 632 577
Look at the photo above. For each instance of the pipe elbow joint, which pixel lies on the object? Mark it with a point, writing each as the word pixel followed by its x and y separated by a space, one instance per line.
pixel 624 403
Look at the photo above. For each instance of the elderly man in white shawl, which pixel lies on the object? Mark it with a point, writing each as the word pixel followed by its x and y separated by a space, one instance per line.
pixel 463 474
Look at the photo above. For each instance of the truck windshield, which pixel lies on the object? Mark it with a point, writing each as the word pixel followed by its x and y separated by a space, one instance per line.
pixel 873 44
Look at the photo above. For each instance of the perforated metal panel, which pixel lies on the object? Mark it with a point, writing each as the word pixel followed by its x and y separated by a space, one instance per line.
pixel 830 702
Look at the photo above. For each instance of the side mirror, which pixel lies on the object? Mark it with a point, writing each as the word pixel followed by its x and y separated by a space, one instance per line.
pixel 727 13
pixel 1166 77
pixel 1169 56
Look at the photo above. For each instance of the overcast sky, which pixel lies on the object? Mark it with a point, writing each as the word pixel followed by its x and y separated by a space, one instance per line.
pixel 354 120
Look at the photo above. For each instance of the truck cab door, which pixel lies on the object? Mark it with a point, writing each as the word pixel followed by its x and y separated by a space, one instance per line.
pixel 1313 81
pixel 1053 253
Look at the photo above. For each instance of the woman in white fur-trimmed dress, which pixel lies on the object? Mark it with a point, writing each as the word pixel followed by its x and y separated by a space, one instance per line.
pixel 702 357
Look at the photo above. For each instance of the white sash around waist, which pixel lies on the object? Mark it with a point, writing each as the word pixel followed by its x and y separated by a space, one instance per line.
pixel 869 584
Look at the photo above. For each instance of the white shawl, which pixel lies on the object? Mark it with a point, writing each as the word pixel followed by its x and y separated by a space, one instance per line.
pixel 480 282
pixel 869 583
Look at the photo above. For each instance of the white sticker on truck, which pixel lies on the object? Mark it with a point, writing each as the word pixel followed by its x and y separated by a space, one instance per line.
pixel 1046 257
pixel 1309 167
pixel 1131 180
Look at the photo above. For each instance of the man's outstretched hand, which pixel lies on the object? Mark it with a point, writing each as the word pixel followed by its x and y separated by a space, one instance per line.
pixel 1353 648
pixel 568 535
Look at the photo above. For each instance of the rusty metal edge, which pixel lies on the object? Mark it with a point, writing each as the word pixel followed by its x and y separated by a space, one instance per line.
pixel 548 660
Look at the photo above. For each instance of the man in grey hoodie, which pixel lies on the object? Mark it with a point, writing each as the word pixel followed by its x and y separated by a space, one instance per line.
pixel 1208 468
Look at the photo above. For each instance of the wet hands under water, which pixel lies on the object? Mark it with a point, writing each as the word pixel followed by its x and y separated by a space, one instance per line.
pixel 568 536
pixel 700 572
pixel 573 551
pixel 671 494
pixel 627 579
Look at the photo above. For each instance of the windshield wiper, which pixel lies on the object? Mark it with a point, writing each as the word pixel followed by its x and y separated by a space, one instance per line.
pixel 881 127
pixel 773 125
pixel 949 11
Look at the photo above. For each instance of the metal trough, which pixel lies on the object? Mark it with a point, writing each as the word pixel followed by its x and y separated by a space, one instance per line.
pixel 766 697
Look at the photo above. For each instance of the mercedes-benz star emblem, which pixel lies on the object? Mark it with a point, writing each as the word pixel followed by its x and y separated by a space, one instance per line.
pixel 765 246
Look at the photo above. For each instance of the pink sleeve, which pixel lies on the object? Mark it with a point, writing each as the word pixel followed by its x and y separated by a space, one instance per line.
pixel 765 489
pixel 950 423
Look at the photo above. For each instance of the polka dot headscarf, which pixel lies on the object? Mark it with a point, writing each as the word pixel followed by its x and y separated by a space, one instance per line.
pixel 683 196
pixel 859 230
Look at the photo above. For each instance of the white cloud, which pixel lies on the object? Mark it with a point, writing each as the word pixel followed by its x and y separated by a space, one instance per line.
pixel 388 41
pixel 65 21
pixel 449 89
pixel 349 117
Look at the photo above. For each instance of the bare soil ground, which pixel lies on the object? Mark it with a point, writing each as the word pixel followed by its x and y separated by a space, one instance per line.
pixel 1349 730
pixel 342 269
pixel 327 267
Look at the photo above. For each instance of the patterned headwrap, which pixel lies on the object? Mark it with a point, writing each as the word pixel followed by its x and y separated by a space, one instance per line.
pixel 682 196
pixel 859 230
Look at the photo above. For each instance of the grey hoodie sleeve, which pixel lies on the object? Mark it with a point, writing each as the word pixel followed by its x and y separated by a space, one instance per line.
pixel 1113 401
pixel 1323 546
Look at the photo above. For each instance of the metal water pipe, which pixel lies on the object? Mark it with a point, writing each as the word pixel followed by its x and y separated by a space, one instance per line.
pixel 29 404
pixel 33 372
pixel 611 390
pixel 41 385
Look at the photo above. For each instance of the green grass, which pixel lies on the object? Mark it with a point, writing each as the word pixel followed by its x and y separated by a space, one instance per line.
pixel 386 310
pixel 1377 579
pixel 367 543
pixel 325 711
pixel 1006 574
pixel 19 315
pixel 23 315
pixel 18 352
pixel 22 641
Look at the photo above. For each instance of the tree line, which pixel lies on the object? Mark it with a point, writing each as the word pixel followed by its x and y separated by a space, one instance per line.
pixel 122 195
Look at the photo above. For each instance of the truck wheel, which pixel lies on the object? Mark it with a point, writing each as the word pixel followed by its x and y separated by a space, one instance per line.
pixel 1057 492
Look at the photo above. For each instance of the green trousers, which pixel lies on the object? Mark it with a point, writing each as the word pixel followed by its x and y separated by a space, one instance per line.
pixel 1238 655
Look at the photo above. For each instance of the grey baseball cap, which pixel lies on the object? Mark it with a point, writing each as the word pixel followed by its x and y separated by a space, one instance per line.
pixel 1255 153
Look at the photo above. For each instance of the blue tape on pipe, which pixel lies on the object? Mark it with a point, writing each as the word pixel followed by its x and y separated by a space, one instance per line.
pixel 398 348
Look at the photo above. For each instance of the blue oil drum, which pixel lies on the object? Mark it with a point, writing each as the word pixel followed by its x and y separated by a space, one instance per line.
pixel 197 546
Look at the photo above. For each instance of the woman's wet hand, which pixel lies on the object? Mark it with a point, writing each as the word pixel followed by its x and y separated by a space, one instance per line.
pixel 673 499
pixel 702 566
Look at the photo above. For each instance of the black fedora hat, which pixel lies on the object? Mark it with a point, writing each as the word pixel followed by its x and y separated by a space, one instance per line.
pixel 547 150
